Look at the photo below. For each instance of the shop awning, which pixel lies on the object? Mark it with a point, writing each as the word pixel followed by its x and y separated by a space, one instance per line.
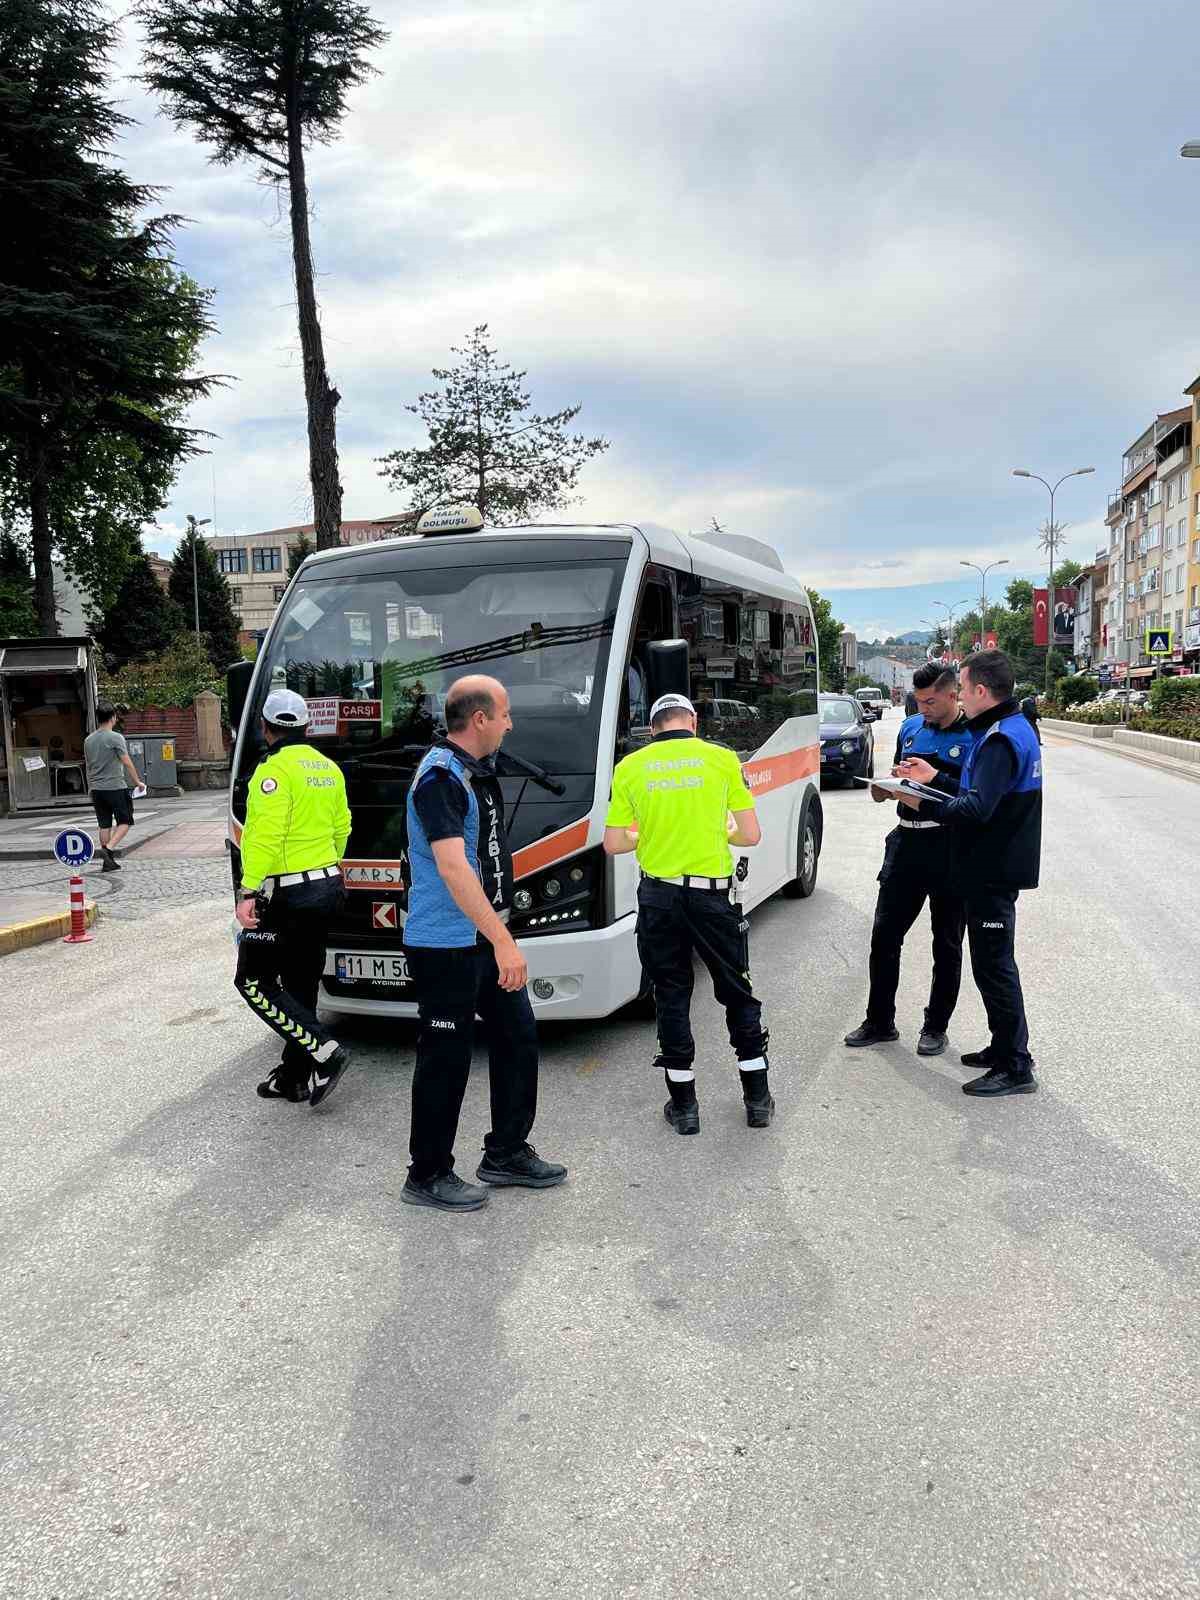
pixel 55 655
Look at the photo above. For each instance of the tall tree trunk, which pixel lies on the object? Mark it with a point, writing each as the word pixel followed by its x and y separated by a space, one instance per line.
pixel 43 544
pixel 321 397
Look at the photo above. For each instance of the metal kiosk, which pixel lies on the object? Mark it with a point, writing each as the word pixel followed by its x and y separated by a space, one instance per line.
pixel 47 709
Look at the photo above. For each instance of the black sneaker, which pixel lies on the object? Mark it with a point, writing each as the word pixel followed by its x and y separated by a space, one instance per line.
pixel 870 1034
pixel 446 1192
pixel 931 1043
pixel 281 1084
pixel 1002 1080
pixel 978 1059
pixel 759 1112
pixel 111 864
pixel 326 1075
pixel 526 1169
pixel 684 1119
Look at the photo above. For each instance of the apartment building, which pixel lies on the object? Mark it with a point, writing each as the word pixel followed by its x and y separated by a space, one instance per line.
pixel 1148 521
pixel 1191 625
pixel 1091 593
pixel 848 644
pixel 256 564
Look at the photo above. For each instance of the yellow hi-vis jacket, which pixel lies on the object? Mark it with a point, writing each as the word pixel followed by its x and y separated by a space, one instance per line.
pixel 296 815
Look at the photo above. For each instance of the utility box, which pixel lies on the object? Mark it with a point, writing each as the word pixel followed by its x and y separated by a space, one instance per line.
pixel 153 754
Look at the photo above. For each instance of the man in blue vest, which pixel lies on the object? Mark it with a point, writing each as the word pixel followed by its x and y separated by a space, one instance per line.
pixel 464 961
pixel 916 868
pixel 996 818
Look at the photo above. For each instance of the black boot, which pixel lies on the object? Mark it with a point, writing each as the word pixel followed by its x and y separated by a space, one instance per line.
pixel 684 1119
pixel 756 1094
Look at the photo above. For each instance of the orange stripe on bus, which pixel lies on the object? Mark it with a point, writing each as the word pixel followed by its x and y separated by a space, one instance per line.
pixel 773 772
pixel 546 851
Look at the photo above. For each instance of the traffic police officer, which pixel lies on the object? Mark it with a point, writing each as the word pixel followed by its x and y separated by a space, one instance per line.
pixel 916 868
pixel 996 820
pixel 297 825
pixel 678 792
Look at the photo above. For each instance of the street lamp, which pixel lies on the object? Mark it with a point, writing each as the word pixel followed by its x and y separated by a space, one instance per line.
pixel 983 572
pixel 194 527
pixel 1051 541
pixel 950 610
pixel 1191 148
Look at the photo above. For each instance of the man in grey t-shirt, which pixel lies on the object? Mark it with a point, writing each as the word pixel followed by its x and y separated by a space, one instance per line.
pixel 111 775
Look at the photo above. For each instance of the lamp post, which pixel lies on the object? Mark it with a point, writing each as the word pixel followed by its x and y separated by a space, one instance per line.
pixel 950 610
pixel 983 572
pixel 1191 148
pixel 194 527
pixel 1051 541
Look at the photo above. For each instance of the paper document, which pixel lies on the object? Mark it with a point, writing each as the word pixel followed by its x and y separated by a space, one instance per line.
pixel 139 793
pixel 905 786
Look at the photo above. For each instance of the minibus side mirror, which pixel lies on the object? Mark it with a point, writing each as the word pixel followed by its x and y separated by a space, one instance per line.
pixel 237 687
pixel 667 667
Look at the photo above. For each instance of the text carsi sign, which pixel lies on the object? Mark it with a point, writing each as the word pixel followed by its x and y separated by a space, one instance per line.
pixel 330 716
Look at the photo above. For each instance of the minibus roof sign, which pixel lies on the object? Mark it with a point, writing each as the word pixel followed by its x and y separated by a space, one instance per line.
pixel 450 519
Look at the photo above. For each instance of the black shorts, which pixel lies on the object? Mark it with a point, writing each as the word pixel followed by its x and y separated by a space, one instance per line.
pixel 113 803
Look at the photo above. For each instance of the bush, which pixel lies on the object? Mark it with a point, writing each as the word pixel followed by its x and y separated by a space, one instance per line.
pixel 1175 697
pixel 1075 690
pixel 1095 715
pixel 1169 727
pixel 173 678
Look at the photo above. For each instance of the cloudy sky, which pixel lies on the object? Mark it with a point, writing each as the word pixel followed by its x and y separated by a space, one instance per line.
pixel 826 273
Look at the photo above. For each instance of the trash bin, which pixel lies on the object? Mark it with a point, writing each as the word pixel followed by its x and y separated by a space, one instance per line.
pixel 153 754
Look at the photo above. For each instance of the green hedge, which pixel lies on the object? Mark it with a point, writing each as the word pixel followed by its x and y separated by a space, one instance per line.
pixel 1175 697
pixel 1075 690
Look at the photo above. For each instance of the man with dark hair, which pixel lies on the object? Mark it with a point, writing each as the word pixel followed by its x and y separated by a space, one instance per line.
pixel 464 961
pixel 111 779
pixel 916 868
pixel 996 823
pixel 689 802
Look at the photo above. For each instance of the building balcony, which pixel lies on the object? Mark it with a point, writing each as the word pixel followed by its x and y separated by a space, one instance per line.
pixel 1116 507
pixel 1136 461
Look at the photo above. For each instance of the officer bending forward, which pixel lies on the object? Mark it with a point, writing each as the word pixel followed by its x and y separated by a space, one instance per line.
pixel 297 825
pixel 678 792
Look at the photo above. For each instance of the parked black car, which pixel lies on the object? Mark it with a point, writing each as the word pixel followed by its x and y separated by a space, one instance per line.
pixel 847 740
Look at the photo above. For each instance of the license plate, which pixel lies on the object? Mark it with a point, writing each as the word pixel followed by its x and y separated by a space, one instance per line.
pixel 351 966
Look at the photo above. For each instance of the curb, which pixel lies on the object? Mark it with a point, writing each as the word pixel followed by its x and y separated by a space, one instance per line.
pixel 1187 770
pixel 39 930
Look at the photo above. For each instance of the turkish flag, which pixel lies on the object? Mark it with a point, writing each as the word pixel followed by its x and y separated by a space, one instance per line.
pixel 1041 618
pixel 989 642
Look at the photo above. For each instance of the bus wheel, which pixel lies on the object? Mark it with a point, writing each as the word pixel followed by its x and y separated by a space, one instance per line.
pixel 808 850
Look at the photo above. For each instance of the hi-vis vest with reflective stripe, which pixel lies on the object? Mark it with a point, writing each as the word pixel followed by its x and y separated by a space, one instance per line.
pixel 296 814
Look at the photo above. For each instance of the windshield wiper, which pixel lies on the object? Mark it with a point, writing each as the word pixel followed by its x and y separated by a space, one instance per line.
pixel 376 755
pixel 538 774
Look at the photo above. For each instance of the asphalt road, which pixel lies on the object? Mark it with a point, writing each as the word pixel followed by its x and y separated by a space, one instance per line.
pixel 904 1344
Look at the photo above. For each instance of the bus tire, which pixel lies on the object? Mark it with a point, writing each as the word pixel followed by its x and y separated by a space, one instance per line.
pixel 808 854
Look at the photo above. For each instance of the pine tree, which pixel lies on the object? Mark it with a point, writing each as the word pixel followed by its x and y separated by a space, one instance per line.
pixel 218 621
pixel 98 329
pixel 18 619
pixel 298 554
pixel 142 620
pixel 263 80
pixel 485 445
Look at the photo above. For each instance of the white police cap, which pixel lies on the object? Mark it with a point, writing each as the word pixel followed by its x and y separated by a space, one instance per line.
pixel 671 702
pixel 284 708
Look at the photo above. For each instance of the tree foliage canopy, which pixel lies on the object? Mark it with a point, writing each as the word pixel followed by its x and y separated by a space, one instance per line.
pixel 829 633
pixel 486 447
pixel 142 619
pixel 98 329
pixel 218 621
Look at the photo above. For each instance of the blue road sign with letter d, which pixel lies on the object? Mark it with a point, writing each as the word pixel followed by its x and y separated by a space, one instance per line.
pixel 74 848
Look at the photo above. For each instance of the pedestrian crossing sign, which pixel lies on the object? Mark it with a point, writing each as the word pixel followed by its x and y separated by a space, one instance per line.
pixel 1159 641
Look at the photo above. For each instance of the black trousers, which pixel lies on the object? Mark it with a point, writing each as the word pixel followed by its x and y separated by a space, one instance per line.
pixel 991 932
pixel 280 964
pixel 673 922
pixel 916 869
pixel 452 986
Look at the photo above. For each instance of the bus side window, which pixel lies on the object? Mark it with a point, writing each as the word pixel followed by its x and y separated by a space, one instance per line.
pixel 655 620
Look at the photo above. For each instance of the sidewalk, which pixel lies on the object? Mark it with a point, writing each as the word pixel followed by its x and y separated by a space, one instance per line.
pixel 31 837
pixel 1188 770
pixel 181 836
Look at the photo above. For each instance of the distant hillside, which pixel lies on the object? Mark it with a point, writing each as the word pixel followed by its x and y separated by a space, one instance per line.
pixel 915 636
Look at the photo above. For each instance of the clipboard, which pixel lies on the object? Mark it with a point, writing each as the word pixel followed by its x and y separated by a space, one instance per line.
pixel 905 786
